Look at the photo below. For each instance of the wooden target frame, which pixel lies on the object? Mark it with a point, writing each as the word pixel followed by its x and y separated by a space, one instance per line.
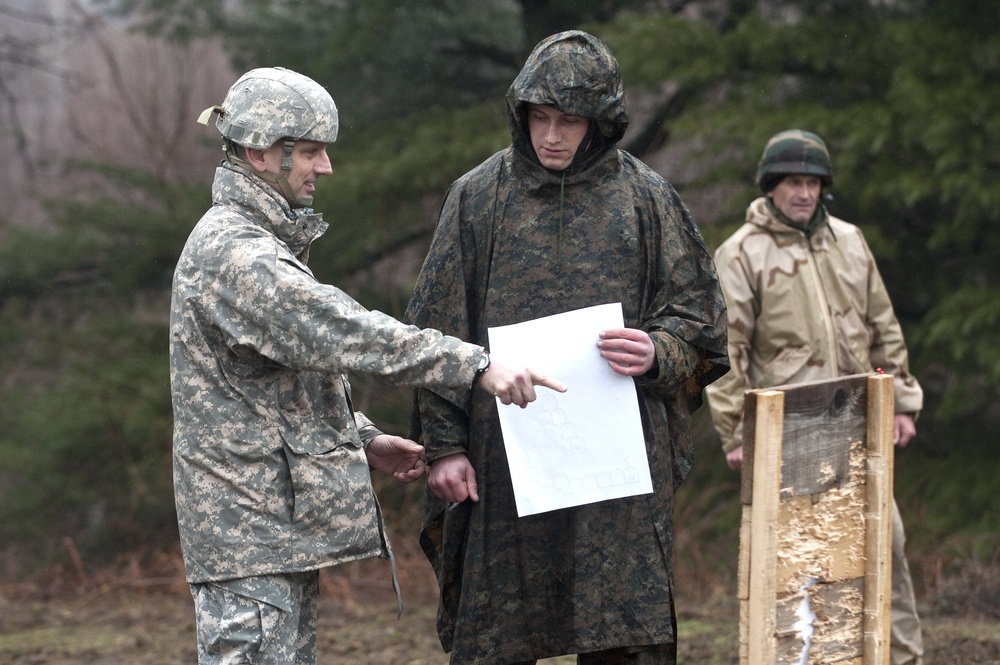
pixel 815 539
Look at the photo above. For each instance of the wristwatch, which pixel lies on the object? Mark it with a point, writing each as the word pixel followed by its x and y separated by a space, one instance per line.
pixel 484 364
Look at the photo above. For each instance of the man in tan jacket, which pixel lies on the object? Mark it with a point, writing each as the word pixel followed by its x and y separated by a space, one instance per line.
pixel 806 302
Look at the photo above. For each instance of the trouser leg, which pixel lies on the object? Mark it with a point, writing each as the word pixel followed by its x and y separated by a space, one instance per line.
pixel 905 641
pixel 234 629
pixel 653 654
pixel 305 640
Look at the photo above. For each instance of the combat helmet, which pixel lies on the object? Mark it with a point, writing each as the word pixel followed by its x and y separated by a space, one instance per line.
pixel 793 151
pixel 272 104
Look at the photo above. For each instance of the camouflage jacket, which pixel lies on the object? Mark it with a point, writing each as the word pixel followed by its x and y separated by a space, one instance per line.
pixel 270 473
pixel 803 309
pixel 514 242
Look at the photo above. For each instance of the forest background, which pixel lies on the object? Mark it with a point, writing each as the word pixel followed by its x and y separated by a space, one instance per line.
pixel 107 172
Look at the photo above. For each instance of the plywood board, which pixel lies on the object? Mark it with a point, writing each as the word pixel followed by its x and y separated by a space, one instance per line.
pixel 822 419
pixel 837 626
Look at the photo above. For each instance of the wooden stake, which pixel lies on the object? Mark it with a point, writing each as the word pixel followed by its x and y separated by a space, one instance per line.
pixel 74 557
pixel 878 520
pixel 766 490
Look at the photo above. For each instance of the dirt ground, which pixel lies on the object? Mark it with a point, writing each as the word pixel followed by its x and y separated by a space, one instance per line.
pixel 151 622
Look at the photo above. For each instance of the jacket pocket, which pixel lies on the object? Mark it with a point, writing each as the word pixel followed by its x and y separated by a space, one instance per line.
pixel 332 492
pixel 321 439
pixel 784 368
pixel 317 413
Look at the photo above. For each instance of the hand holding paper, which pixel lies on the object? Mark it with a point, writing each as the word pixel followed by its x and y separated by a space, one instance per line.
pixel 629 351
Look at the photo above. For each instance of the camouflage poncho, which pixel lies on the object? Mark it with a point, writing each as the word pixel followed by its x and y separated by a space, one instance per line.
pixel 515 242
pixel 270 474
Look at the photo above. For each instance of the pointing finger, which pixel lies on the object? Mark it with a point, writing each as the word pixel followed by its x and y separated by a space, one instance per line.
pixel 542 380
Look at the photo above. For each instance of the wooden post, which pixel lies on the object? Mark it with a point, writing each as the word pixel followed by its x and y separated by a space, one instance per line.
pixel 764 521
pixel 878 520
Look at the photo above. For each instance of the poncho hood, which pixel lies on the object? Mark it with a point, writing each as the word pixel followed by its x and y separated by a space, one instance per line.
pixel 576 73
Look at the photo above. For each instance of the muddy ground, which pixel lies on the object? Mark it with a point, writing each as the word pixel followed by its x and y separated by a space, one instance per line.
pixel 149 621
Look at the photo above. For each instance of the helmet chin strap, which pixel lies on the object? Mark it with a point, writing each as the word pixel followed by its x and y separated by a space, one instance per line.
pixel 280 180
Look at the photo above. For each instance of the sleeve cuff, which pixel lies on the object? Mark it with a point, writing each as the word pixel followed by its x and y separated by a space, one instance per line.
pixel 433 455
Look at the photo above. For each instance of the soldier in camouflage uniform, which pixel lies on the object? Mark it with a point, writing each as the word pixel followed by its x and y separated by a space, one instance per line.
pixel 271 463
pixel 560 220
pixel 806 302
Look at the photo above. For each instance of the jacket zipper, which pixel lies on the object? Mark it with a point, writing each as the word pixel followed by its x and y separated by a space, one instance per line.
pixel 825 305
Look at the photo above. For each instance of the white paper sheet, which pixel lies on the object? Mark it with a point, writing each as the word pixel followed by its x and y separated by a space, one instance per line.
pixel 581 446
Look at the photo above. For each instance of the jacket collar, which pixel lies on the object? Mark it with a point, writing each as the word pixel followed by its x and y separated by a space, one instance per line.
pixel 536 179
pixel 762 213
pixel 265 207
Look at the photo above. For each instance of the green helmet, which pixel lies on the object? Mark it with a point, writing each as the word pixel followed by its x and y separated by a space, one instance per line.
pixel 793 151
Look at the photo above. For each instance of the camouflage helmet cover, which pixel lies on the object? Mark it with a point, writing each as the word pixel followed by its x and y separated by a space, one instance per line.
pixel 793 151
pixel 269 104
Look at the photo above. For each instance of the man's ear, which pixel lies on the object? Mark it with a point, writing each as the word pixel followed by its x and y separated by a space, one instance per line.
pixel 255 158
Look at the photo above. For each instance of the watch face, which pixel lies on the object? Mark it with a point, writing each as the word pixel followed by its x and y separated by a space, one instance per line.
pixel 484 362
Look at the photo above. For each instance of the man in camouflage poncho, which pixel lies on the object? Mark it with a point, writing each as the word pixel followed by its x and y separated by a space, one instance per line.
pixel 558 221
pixel 806 303
pixel 271 463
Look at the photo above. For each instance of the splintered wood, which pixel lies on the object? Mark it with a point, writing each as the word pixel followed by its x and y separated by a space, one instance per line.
pixel 814 550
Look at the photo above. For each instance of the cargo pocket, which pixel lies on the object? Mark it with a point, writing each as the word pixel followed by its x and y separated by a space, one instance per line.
pixel 785 367
pixel 333 500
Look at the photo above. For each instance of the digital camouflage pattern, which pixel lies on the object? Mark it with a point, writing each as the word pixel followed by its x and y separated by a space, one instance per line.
pixel 270 474
pixel 516 241
pixel 269 105
pixel 272 103
pixel 262 620
pixel 793 151
pixel 803 309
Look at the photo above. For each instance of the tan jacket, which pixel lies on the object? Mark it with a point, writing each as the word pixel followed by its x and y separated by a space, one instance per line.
pixel 800 310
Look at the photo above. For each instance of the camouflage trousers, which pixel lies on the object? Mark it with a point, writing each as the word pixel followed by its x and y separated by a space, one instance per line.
pixel 654 654
pixel 268 620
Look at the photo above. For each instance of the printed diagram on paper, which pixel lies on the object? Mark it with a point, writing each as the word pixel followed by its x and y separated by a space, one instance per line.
pixel 578 447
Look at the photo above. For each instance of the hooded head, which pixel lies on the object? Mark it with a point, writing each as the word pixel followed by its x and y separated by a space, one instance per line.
pixel 575 73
